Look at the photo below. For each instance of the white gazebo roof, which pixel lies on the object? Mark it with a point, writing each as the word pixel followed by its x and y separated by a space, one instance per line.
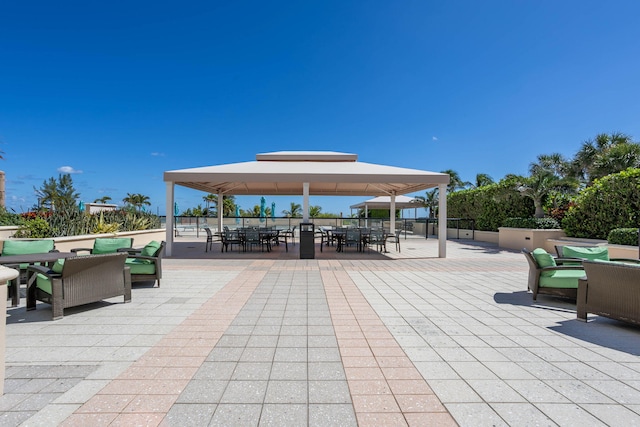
pixel 284 172
pixel 384 202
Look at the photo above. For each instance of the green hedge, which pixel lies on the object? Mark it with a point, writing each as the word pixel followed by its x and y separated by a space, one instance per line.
pixel 611 202
pixel 490 205
pixel 623 236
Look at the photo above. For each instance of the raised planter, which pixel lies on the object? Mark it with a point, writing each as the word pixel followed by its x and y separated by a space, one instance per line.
pixel 140 238
pixel 519 238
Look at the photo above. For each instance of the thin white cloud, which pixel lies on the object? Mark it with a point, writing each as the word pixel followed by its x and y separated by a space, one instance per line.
pixel 68 169
pixel 157 154
pixel 434 138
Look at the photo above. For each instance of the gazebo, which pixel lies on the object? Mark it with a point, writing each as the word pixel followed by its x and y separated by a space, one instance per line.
pixel 384 202
pixel 318 173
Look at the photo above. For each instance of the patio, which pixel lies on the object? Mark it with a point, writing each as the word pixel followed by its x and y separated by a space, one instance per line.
pixel 351 338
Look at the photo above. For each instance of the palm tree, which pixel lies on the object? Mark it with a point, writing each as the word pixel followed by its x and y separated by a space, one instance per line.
pixel 57 194
pixel 210 199
pixel 455 182
pixel 483 179
pixel 430 201
pixel 604 155
pixel 137 200
pixel 539 185
pixel 102 200
pixel 294 211
pixel 315 211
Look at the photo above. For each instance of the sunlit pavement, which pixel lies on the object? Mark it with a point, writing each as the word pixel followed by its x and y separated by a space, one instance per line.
pixel 257 338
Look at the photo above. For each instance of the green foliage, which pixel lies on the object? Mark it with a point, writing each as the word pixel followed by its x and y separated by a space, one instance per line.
pixel 37 228
pixel 72 222
pixel 623 236
pixel 611 202
pixel 58 194
pixel 8 218
pixel 534 223
pixel 490 205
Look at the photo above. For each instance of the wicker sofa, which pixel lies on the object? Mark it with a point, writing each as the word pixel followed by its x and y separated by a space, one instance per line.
pixel 611 289
pixel 82 280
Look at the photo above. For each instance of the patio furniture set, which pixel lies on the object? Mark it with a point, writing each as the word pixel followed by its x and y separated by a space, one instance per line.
pixel 360 238
pixel 600 285
pixel 248 237
pixel 81 276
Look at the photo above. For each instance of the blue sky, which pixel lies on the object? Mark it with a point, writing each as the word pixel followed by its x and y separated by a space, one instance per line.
pixel 119 92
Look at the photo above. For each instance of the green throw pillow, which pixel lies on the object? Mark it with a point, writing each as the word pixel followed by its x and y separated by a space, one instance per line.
pixel 57 266
pixel 591 253
pixel 151 248
pixel 543 258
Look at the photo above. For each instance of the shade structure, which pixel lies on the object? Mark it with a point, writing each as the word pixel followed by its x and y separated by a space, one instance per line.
pixel 318 173
pixel 384 202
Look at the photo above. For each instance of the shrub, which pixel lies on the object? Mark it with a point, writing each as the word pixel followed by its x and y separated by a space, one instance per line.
pixel 490 205
pixel 535 223
pixel 611 202
pixel 623 236
pixel 37 228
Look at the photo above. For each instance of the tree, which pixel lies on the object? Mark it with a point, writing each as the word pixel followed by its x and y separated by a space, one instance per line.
pixel 102 200
pixel 483 179
pixel 430 202
pixel 294 211
pixel 315 211
pixel 210 199
pixel 455 182
pixel 58 194
pixel 538 186
pixel 604 155
pixel 137 200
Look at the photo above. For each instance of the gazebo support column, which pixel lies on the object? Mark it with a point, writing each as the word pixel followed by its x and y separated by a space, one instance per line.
pixel 392 214
pixel 305 202
pixel 170 219
pixel 442 220
pixel 220 210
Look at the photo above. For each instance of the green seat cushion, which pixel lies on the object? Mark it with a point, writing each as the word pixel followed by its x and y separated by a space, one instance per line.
pixel 561 278
pixel 109 246
pixel 57 266
pixel 23 247
pixel 141 266
pixel 151 248
pixel 43 283
pixel 543 258
pixel 591 253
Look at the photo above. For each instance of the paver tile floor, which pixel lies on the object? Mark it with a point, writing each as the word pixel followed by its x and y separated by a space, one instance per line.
pixel 369 339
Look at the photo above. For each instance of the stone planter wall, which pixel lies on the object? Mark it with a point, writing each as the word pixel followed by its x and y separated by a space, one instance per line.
pixel 519 238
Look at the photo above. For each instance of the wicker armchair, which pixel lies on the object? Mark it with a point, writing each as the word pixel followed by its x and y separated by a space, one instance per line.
pixel 548 276
pixel 611 289
pixel 83 280
pixel 146 263
pixel 21 247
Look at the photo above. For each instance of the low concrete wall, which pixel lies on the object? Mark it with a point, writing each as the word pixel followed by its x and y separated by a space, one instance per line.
pixel 487 236
pixel 518 238
pixel 140 238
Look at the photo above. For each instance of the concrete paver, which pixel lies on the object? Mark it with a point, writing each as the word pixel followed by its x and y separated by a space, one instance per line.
pixel 403 338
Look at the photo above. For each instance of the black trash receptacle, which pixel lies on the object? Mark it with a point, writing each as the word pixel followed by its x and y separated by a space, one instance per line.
pixel 307 241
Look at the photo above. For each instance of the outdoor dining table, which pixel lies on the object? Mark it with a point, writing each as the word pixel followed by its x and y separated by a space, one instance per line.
pixel 14 261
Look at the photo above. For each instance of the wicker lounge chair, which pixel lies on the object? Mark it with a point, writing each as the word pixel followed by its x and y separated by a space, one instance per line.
pixel 548 276
pixel 146 263
pixel 107 245
pixel 611 289
pixel 82 280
